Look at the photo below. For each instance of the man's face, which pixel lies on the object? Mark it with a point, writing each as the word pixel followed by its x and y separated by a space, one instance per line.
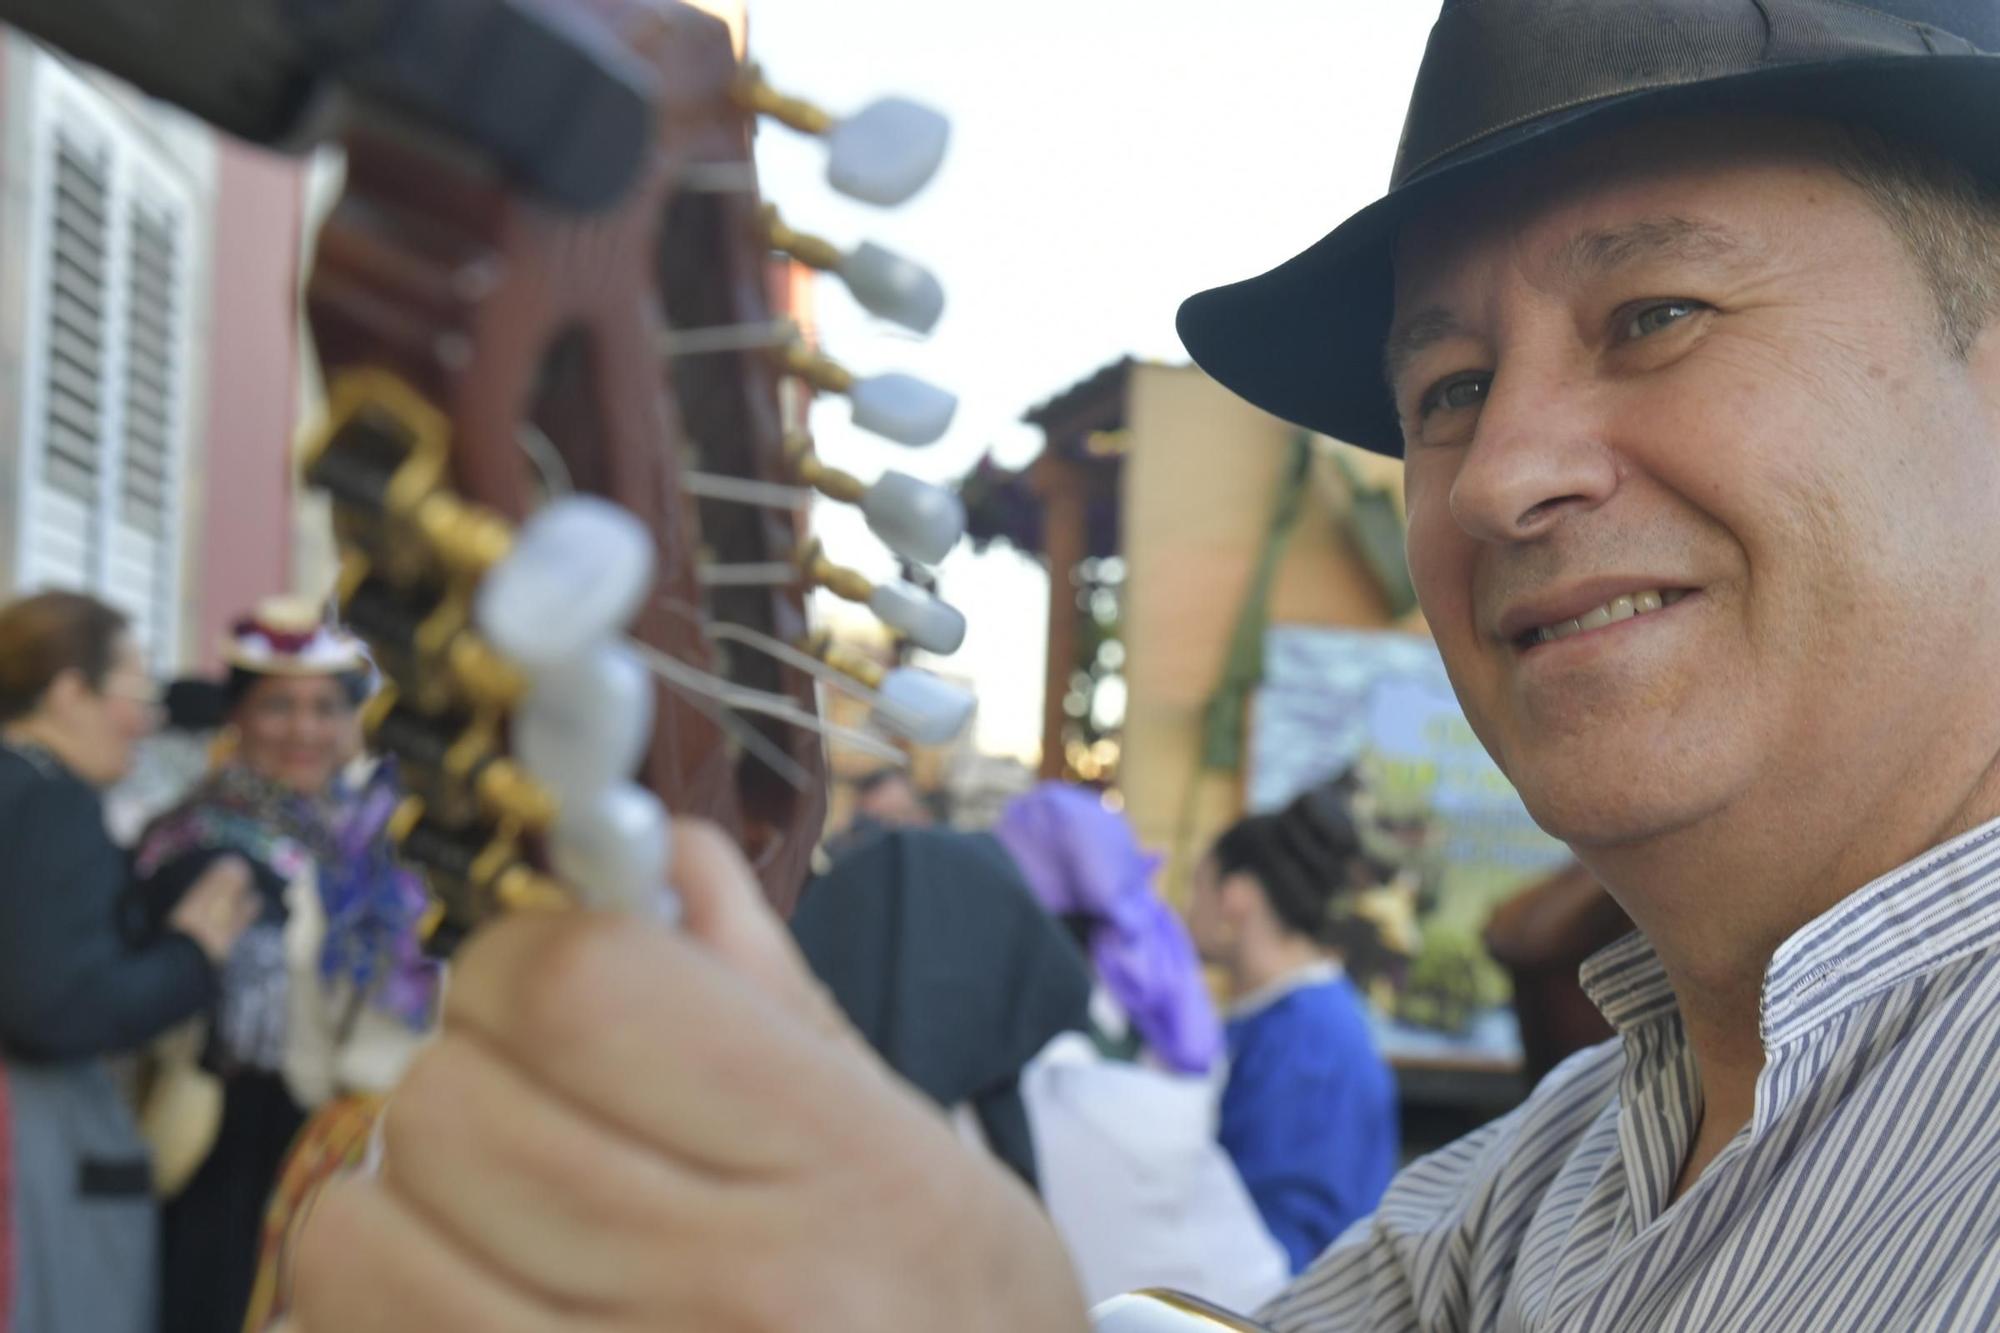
pixel 1206 924
pixel 1698 391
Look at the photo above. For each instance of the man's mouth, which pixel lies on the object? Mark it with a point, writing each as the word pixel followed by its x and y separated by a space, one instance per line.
pixel 1607 613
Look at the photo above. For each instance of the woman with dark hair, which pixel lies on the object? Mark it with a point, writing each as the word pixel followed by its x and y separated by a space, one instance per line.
pixel 327 994
pixel 1309 1113
pixel 74 987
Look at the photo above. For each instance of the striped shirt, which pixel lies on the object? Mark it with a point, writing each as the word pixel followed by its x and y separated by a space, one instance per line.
pixel 1863 1194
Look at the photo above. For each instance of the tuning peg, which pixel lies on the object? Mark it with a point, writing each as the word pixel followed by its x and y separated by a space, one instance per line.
pixel 916 704
pixel 578 570
pixel 933 625
pixel 585 723
pixel 884 282
pixel 882 154
pixel 915 519
pixel 614 849
pixel 895 406
pixel 887 151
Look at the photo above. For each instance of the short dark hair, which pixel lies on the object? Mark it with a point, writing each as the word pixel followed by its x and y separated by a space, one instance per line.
pixel 870 783
pixel 1306 858
pixel 1947 218
pixel 196 704
pixel 47 634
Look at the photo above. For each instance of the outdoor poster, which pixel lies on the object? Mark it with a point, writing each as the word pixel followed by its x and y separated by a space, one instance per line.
pixel 1332 698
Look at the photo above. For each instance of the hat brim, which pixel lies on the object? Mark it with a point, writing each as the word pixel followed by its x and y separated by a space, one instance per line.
pixel 251 664
pixel 1304 340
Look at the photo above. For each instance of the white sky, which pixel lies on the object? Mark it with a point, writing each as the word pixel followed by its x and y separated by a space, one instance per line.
pixel 1108 158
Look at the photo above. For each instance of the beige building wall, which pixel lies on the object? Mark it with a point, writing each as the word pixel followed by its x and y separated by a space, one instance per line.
pixel 1201 473
pixel 730 12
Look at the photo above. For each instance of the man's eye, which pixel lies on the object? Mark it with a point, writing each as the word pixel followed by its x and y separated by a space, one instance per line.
pixel 1649 320
pixel 1455 394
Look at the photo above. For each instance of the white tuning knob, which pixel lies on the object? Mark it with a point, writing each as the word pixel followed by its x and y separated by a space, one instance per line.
pixel 922 707
pixel 585 723
pixel 902 408
pixel 931 624
pixel 915 519
pixel 895 288
pixel 614 850
pixel 578 571
pixel 887 151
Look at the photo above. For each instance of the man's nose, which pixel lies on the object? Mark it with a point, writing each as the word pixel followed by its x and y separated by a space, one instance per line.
pixel 1538 453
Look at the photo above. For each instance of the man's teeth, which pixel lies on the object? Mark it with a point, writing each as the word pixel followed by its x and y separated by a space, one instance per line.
pixel 1618 608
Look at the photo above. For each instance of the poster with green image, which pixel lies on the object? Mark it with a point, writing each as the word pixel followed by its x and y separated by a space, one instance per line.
pixel 1332 700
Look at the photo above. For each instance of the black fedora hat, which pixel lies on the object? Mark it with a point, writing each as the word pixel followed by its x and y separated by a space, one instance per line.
pixel 1506 78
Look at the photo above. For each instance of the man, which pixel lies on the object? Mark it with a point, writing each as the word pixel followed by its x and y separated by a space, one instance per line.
pixel 1702 412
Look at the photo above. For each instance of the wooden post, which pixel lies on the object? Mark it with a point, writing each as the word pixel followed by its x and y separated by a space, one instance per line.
pixel 1060 485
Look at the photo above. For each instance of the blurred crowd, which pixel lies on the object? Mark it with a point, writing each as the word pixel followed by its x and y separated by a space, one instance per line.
pixel 205 944
pixel 211 972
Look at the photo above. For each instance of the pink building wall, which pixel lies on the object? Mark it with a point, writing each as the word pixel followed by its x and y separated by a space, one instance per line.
pixel 244 549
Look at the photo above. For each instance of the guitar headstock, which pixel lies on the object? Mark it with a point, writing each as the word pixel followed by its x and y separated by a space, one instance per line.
pixel 570 514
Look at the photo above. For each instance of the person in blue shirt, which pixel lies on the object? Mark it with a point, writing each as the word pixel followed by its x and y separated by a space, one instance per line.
pixel 1309 1112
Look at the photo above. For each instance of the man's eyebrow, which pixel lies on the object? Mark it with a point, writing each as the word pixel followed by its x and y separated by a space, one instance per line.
pixel 1588 254
pixel 1592 254
pixel 1410 338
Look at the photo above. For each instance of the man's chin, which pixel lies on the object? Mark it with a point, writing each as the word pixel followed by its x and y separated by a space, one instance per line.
pixel 1609 805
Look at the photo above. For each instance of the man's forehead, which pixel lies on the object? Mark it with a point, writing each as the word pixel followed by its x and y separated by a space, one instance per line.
pixel 1583 252
pixel 1686 191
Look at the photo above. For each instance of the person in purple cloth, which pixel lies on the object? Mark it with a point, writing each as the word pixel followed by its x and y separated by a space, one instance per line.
pixel 1125 1115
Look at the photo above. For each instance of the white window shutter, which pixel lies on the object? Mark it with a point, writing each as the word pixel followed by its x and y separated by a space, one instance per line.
pixel 104 400
pixel 144 556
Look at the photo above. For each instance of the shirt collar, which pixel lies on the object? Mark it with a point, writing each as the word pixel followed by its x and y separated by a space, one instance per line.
pixel 1312 974
pixel 1627 984
pixel 1928 912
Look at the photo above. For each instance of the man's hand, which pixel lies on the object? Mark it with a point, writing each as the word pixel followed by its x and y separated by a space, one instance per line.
pixel 217 908
pixel 633 1128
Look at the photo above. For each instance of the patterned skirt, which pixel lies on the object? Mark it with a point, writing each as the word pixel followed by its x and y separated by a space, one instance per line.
pixel 334 1143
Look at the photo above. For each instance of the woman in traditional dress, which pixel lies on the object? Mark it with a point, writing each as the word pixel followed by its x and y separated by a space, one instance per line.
pixel 78 1226
pixel 328 993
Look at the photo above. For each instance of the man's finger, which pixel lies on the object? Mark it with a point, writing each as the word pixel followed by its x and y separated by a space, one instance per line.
pixel 651 1033
pixel 724 908
pixel 528 1183
pixel 368 1265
